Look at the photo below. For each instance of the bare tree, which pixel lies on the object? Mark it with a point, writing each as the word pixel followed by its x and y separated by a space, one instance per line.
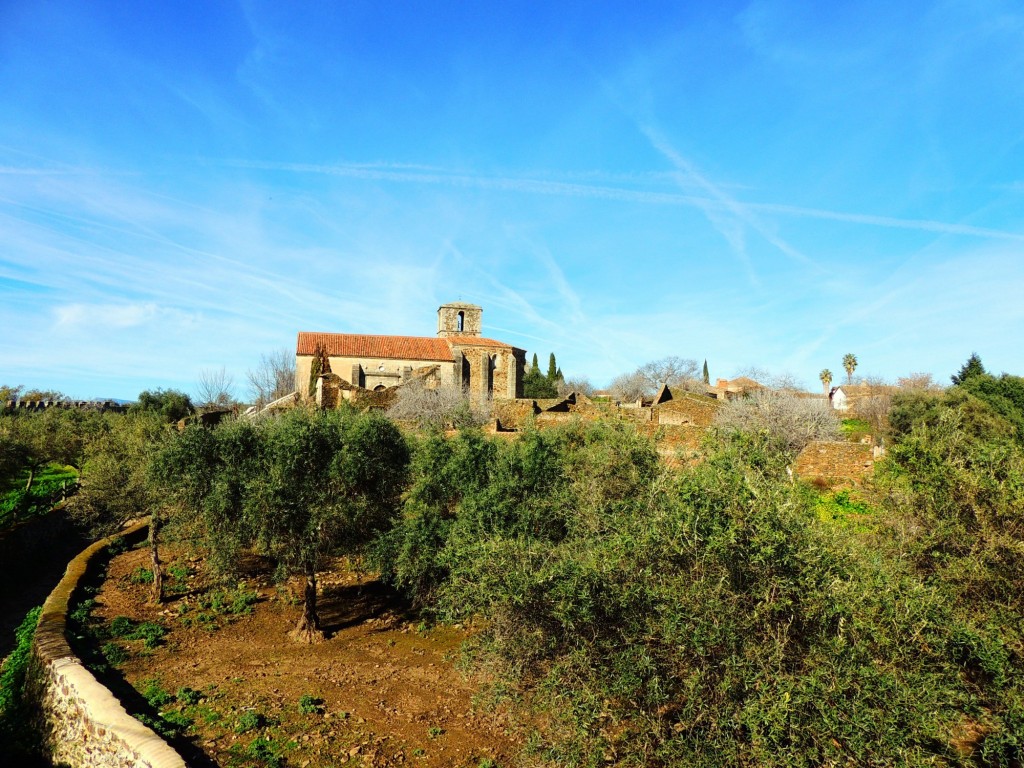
pixel 273 377
pixel 446 407
pixel 677 372
pixel 578 384
pixel 872 402
pixel 795 421
pixel 784 381
pixel 921 382
pixel 630 386
pixel 214 388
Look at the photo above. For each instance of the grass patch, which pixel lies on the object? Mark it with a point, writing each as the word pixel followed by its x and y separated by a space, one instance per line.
pixel 844 508
pixel 48 488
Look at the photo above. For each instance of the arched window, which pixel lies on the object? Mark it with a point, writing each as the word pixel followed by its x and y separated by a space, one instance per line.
pixel 461 320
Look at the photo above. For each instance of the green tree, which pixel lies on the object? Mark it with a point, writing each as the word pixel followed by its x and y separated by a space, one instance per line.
pixel 172 405
pixel 826 379
pixel 8 392
pixel 849 365
pixel 117 482
pixel 707 376
pixel 300 488
pixel 969 370
pixel 536 384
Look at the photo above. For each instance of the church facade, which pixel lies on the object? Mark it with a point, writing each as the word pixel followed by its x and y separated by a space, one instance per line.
pixel 457 356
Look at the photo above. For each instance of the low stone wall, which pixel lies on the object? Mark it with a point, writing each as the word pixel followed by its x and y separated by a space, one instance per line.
pixel 82 724
pixel 832 462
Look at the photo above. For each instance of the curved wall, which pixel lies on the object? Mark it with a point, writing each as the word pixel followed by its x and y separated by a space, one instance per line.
pixel 81 722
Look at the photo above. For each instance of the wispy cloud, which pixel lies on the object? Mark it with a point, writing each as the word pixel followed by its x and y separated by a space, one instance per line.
pixel 100 317
pixel 714 200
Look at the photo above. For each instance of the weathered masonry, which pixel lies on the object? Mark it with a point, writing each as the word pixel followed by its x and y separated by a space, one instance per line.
pixel 458 356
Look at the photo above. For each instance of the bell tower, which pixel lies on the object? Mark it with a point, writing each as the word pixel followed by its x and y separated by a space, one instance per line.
pixel 458 319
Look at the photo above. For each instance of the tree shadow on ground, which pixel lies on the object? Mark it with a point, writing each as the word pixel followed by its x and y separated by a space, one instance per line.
pixel 344 606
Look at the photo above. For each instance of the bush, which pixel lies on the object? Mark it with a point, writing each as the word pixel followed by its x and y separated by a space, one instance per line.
pixel 14 731
pixel 791 421
pixel 442 407
pixel 700 617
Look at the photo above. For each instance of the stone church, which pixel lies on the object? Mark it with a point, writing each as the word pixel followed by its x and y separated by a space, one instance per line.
pixel 457 356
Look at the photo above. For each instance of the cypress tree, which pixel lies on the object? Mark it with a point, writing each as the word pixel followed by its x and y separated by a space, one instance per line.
pixel 535 368
pixel 552 368
pixel 707 378
pixel 970 369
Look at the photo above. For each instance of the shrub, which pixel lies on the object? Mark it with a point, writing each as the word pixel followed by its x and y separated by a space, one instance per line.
pixel 699 617
pixel 188 696
pixel 14 731
pixel 789 420
pixel 250 721
pixel 309 705
pixel 154 692
pixel 141 576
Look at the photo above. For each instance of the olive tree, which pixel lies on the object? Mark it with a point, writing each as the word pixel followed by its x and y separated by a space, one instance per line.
pixel 300 488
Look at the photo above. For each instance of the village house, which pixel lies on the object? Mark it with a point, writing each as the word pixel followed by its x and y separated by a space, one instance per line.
pixel 458 356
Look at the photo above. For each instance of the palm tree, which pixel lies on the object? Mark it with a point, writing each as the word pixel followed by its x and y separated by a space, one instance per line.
pixel 850 364
pixel 826 379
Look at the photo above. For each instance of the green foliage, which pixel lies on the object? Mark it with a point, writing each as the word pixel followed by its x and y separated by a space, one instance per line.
pixel 188 696
pixel 300 487
pixel 116 483
pixel 48 488
pixel 956 485
pixel 170 404
pixel 539 385
pixel 150 633
pixel 266 751
pixel 854 428
pixel 114 653
pixel 141 575
pixel 969 370
pixel 14 731
pixel 842 508
pixel 1004 395
pixel 155 694
pixel 849 365
pixel 214 605
pixel 700 617
pixel 310 705
pixel 250 721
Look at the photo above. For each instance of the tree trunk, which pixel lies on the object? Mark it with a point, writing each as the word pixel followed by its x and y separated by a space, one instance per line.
pixel 31 477
pixel 308 628
pixel 154 554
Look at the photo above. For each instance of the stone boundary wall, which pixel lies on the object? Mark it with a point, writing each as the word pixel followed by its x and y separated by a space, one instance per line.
pixel 81 723
pixel 835 462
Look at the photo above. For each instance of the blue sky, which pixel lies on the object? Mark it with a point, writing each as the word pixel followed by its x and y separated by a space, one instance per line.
pixel 185 186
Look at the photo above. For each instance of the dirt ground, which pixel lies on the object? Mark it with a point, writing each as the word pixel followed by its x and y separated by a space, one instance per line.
pixel 381 690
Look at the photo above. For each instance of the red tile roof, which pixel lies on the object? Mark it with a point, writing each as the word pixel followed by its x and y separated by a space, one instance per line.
pixel 476 341
pixel 389 347
pixel 382 347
